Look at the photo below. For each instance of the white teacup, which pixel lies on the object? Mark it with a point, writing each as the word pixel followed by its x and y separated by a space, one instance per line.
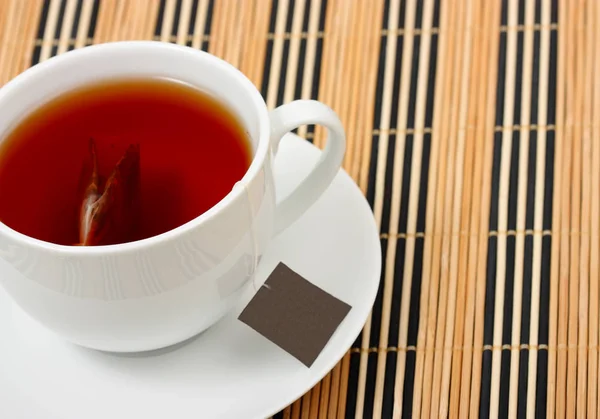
pixel 159 291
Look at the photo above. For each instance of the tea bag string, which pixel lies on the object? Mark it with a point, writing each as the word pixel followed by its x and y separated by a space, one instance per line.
pixel 253 239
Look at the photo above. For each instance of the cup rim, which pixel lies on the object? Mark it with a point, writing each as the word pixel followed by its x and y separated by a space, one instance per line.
pixel 72 57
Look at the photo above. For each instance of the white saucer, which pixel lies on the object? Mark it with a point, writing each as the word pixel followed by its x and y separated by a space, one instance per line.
pixel 230 371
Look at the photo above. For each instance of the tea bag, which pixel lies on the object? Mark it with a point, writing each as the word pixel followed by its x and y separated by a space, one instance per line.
pixel 109 212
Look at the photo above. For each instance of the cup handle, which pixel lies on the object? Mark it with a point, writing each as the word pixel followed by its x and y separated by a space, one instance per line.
pixel 288 117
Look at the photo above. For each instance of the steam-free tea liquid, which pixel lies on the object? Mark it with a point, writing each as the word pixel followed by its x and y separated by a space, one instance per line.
pixel 192 151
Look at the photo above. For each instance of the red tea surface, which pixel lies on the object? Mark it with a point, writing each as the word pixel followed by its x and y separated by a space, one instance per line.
pixel 192 150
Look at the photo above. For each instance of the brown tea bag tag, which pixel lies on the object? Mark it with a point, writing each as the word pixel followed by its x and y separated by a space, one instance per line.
pixel 296 315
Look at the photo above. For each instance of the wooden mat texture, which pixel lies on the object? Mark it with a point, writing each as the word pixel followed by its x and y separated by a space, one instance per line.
pixel 473 131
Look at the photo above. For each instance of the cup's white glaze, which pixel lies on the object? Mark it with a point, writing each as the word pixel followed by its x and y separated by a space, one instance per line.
pixel 159 291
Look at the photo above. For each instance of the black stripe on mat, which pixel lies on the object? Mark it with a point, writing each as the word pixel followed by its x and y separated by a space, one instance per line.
pixel 410 121
pixel 546 255
pixel 529 224
pixel 397 72
pixel 40 33
pixel 269 51
pixel 160 17
pixel 509 282
pixel 538 13
pixel 413 328
pixel 432 74
pixel 176 18
pixel 380 74
pixel 302 52
pixel 43 19
pixel 93 20
pixel 75 26
pixel 504 383
pixel 302 56
pixel 285 56
pixel 370 385
pixel 542 366
pixel 208 24
pixel 522 387
pixel 419 15
pixel 548 193
pixel 388 386
pixel 58 29
pixel 521 18
pixel 486 366
pixel 498 135
pixel 541 394
pixel 318 61
pixel 389 168
pixel 352 385
pixel 535 75
pixel 504 13
pixel 507 322
pixel 533 137
pixel 518 93
pixel 387 197
pixel 192 22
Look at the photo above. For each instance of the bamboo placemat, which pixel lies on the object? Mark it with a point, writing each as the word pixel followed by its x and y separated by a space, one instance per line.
pixel 473 131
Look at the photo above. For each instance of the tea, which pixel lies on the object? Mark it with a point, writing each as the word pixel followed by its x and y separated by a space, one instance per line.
pixel 192 150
